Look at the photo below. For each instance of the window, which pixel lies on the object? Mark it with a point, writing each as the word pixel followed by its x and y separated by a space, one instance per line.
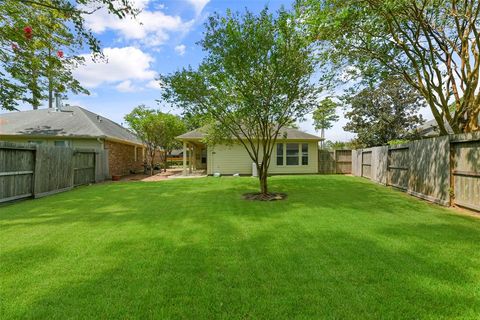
pixel 204 156
pixel 304 154
pixel 292 154
pixel 60 143
pixel 279 154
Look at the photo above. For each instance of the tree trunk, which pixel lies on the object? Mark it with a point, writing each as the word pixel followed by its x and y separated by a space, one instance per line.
pixel 262 177
pixel 472 124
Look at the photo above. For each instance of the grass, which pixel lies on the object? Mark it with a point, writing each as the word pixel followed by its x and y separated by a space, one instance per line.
pixel 338 247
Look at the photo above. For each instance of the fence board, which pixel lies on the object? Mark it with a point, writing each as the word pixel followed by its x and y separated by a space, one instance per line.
pixel 367 163
pixel 343 160
pixel 16 171
pixel 466 174
pixel 39 170
pixel 398 168
pixel 326 161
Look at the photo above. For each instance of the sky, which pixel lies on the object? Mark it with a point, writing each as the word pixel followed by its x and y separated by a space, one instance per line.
pixel 160 41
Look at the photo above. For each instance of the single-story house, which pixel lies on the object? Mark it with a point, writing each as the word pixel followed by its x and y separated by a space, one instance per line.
pixel 76 127
pixel 296 152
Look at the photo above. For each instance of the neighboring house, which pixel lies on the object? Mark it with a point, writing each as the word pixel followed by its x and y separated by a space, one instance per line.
pixel 430 129
pixel 295 152
pixel 76 127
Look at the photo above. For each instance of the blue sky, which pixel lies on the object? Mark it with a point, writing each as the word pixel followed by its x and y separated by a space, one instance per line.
pixel 164 42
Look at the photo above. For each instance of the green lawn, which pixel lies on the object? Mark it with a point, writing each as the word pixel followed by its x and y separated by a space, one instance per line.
pixel 338 247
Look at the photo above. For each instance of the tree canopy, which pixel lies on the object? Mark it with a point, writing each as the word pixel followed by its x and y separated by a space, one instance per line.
pixel 325 115
pixel 385 113
pixel 254 80
pixel 157 130
pixel 39 45
pixel 433 44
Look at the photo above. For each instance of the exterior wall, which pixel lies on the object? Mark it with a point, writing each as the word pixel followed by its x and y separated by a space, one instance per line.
pixel 121 158
pixel 75 143
pixel 235 159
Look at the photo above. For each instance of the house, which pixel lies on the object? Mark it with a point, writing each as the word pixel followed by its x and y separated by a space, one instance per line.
pixel 76 127
pixel 296 152
pixel 430 129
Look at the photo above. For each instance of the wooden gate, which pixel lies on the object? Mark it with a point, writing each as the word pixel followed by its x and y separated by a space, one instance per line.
pixel 83 167
pixel 343 160
pixel 326 161
pixel 465 157
pixel 397 167
pixel 367 164
pixel 17 167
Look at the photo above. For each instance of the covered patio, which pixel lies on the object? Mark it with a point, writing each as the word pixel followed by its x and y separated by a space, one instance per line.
pixel 194 154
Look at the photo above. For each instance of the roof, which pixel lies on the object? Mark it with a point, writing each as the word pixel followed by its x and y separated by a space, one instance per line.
pixel 288 133
pixel 430 128
pixel 71 121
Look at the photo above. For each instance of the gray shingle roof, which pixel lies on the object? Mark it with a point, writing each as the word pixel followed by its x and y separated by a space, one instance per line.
pixel 71 121
pixel 288 133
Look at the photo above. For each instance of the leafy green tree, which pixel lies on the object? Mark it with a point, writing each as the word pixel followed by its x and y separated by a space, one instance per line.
pixel 171 127
pixel 433 44
pixel 38 45
pixel 146 125
pixel 254 80
pixel 157 131
pixel 324 116
pixel 38 62
pixel 385 113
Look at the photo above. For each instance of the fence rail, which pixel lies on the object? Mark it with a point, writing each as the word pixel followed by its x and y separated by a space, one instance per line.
pixel 444 170
pixel 37 170
pixel 334 161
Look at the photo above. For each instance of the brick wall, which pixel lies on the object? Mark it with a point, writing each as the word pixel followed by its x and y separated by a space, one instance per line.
pixel 121 158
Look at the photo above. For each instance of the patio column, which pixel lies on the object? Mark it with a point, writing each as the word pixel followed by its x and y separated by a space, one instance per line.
pixel 184 158
pixel 194 157
pixel 190 159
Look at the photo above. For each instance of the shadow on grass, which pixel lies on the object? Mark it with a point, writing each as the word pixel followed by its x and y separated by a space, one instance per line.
pixel 332 275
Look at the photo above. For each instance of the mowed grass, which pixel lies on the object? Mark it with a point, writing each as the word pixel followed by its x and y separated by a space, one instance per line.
pixel 338 247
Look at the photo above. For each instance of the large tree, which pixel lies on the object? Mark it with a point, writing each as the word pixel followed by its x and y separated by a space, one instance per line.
pixel 38 45
pixel 324 116
pixel 157 130
pixel 254 79
pixel 384 113
pixel 433 44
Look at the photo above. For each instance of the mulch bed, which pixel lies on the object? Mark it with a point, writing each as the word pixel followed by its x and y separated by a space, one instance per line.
pixel 264 197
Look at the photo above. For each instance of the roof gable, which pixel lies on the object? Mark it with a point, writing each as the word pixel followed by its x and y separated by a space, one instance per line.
pixel 285 133
pixel 70 121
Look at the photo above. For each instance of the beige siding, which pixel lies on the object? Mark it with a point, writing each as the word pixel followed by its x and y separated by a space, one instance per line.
pixel 235 159
pixel 312 166
pixel 229 160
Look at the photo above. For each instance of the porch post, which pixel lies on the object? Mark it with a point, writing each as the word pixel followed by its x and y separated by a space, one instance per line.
pixel 184 158
pixel 194 157
pixel 190 158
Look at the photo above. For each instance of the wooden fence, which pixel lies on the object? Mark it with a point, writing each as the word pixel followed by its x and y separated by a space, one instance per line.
pixel 334 161
pixel 444 170
pixel 37 170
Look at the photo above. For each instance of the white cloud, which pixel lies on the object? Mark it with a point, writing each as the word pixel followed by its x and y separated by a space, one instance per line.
pixel 152 26
pixel 122 64
pixel 126 86
pixel 180 49
pixel 154 84
pixel 198 5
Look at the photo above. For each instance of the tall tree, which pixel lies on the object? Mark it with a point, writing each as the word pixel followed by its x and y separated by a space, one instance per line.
pixel 157 130
pixel 146 124
pixel 171 127
pixel 433 44
pixel 385 113
pixel 254 80
pixel 34 35
pixel 324 116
